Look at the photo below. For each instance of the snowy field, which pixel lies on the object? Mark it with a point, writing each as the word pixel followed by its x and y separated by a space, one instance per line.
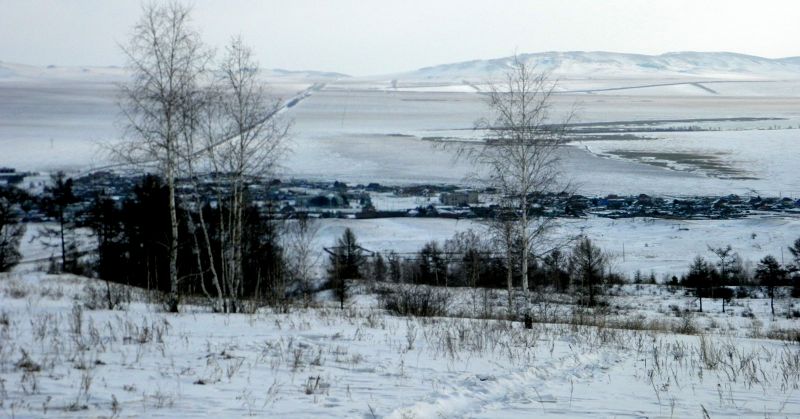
pixel 58 358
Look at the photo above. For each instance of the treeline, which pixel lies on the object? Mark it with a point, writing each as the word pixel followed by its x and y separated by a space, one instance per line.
pixel 470 260
pixel 725 277
pixel 127 242
pixel 133 247
pixel 582 270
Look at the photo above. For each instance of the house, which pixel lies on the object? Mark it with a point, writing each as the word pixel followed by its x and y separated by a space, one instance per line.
pixel 459 198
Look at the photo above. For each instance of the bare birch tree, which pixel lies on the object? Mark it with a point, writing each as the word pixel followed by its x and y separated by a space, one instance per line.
pixel 245 137
pixel 168 61
pixel 301 258
pixel 504 234
pixel 519 154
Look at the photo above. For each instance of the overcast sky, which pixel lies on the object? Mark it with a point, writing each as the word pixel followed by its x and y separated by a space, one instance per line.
pixel 374 36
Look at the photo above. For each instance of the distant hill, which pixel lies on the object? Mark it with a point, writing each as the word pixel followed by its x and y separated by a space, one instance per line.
pixel 611 64
pixel 570 64
pixel 307 73
pixel 13 71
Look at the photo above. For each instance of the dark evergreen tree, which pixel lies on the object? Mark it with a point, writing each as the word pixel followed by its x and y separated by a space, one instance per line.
pixel 794 250
pixel 11 229
pixel 432 265
pixel 345 261
pixel 57 202
pixel 379 269
pixel 589 264
pixel 105 221
pixel 698 277
pixel 555 267
pixel 350 256
pixel 794 268
pixel 770 274
pixel 263 257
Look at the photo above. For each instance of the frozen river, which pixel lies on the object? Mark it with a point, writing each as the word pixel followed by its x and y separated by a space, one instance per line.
pixel 359 134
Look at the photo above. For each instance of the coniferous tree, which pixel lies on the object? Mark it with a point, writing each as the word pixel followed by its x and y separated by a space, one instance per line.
pixel 794 268
pixel 345 261
pixel 379 269
pixel 589 264
pixel 794 249
pixel 432 265
pixel 58 201
pixel 770 274
pixel 11 230
pixel 698 277
pixel 555 265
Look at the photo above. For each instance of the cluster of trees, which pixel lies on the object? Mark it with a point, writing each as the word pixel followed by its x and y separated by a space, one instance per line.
pixel 712 278
pixel 132 239
pixel 468 259
pixel 583 269
pixel 57 204
pixel 134 247
pixel 187 114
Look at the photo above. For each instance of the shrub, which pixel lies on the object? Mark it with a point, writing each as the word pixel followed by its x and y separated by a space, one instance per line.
pixel 717 292
pixel 743 292
pixel 415 300
pixel 109 297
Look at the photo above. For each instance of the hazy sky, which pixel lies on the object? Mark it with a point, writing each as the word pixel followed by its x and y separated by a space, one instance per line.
pixel 371 37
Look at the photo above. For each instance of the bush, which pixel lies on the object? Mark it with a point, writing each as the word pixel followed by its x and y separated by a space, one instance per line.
pixel 743 292
pixel 415 300
pixel 717 292
pixel 687 326
pixel 109 297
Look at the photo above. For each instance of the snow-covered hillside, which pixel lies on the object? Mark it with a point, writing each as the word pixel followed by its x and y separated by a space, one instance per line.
pixel 567 64
pixel 62 355
pixel 619 65
pixel 13 72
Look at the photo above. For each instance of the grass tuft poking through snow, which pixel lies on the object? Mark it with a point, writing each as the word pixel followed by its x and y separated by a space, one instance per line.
pixel 60 359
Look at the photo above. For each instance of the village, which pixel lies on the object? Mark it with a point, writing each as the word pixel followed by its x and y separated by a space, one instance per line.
pixel 320 199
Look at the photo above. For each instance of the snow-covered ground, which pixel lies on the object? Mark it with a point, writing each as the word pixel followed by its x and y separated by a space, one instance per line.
pixel 60 359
